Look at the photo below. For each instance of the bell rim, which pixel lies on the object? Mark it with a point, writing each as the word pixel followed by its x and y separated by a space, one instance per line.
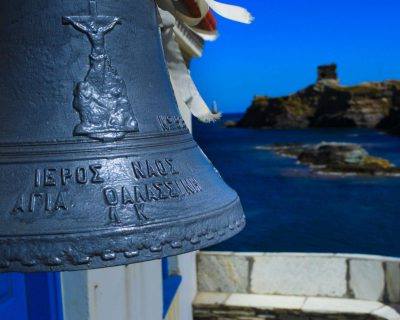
pixel 77 251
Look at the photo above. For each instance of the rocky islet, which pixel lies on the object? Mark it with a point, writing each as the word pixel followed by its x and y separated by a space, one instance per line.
pixel 336 158
pixel 329 104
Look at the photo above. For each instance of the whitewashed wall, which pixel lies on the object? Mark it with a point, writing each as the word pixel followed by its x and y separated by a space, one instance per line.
pixel 188 289
pixel 122 293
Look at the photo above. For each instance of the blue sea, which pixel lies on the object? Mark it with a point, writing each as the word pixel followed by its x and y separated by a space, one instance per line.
pixel 289 210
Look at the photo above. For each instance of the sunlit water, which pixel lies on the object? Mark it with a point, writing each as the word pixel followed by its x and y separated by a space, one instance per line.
pixel 290 210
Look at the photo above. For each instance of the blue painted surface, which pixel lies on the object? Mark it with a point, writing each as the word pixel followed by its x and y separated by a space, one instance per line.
pixel 44 300
pixel 13 304
pixel 30 296
pixel 171 285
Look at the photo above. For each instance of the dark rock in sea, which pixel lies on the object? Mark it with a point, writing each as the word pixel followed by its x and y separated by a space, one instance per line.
pixel 230 124
pixel 337 158
pixel 328 104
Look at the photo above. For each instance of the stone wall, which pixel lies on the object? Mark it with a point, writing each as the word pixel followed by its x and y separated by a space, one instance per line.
pixel 361 277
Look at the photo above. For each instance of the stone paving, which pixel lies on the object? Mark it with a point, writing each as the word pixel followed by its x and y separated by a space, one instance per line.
pixel 236 306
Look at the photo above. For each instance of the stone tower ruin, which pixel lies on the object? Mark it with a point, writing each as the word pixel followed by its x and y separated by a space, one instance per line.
pixel 327 74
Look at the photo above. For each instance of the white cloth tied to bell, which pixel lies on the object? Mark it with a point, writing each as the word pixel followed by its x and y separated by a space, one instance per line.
pixel 186 92
pixel 227 11
pixel 230 12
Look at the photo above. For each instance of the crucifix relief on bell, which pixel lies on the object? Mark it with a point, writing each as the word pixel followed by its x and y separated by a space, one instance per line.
pixel 101 99
pixel 97 167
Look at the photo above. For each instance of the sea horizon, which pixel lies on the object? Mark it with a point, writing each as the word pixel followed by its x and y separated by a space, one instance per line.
pixel 290 210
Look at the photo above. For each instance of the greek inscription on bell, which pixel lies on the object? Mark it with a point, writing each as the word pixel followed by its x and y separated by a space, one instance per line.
pixel 151 192
pixel 41 202
pixel 134 198
pixel 171 123
pixel 52 177
pixel 154 168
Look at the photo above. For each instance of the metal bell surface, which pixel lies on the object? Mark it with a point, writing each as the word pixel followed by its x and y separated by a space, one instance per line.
pixel 97 167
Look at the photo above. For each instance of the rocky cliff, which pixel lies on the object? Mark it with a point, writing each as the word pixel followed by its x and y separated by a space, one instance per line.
pixel 391 123
pixel 328 104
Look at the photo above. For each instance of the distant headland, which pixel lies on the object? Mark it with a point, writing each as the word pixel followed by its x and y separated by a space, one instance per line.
pixel 327 103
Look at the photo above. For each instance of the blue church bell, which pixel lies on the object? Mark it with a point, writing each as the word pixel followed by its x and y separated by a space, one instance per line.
pixel 97 167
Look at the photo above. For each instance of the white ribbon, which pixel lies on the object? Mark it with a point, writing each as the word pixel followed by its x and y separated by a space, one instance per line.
pixel 205 35
pixel 186 92
pixel 229 11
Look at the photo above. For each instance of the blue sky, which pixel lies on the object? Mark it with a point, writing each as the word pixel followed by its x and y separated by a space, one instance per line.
pixel 278 54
